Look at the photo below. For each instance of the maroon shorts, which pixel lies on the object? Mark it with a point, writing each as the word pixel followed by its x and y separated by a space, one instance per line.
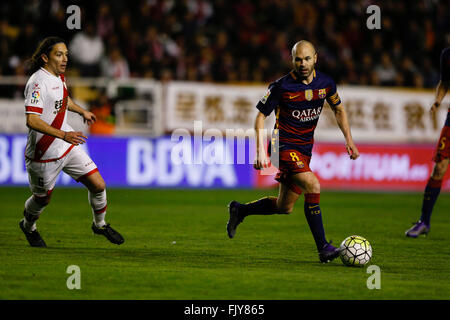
pixel 443 146
pixel 292 162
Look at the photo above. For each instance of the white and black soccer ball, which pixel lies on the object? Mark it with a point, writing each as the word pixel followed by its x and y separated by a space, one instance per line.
pixel 355 251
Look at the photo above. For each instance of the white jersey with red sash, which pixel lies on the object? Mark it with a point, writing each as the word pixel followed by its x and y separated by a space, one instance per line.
pixel 46 95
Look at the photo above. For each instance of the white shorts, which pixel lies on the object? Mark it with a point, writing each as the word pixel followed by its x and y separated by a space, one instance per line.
pixel 42 175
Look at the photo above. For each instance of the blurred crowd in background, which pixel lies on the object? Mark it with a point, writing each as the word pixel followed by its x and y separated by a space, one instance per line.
pixel 229 41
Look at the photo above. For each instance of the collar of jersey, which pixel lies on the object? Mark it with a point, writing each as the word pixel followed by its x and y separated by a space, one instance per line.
pixel 50 74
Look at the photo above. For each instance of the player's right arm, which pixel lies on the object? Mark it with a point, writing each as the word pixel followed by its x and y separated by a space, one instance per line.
pixel 266 105
pixel 35 92
pixel 261 156
pixel 36 123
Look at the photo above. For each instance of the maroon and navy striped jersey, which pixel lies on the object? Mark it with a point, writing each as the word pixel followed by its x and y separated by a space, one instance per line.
pixel 297 108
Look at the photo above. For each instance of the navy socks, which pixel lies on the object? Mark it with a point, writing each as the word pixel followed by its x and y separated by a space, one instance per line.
pixel 313 215
pixel 430 196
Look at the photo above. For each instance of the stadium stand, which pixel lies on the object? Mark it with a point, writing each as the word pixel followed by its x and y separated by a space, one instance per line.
pixel 229 41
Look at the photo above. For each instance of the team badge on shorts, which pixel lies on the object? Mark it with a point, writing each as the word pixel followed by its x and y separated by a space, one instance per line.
pixel 322 93
pixel 300 164
pixel 308 94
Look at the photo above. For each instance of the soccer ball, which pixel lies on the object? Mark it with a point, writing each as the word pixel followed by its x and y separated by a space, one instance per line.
pixel 355 251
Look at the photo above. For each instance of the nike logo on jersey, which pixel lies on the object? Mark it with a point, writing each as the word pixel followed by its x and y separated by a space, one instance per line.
pixel 293 97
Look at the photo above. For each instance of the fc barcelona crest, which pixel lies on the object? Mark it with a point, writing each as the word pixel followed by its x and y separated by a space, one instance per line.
pixel 308 94
pixel 322 93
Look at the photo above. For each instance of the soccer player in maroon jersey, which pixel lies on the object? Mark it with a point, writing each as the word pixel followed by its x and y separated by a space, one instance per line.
pixel 53 146
pixel 297 99
pixel 441 157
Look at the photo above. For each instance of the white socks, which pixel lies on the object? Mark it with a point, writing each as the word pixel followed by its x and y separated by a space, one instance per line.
pixel 32 212
pixel 98 204
pixel 97 201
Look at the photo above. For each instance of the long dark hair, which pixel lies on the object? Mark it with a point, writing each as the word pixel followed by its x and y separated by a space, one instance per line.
pixel 45 47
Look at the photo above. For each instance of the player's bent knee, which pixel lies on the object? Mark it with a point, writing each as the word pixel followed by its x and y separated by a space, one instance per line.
pixel 313 188
pixel 439 170
pixel 98 188
pixel 101 186
pixel 317 189
pixel 312 185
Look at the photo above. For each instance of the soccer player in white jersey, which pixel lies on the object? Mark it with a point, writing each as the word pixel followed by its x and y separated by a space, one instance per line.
pixel 53 145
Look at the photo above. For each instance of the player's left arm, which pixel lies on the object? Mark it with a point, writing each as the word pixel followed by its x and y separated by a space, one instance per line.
pixel 444 82
pixel 441 91
pixel 88 116
pixel 342 121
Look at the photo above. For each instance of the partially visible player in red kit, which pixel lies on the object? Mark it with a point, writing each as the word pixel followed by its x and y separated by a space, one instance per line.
pixel 441 157
pixel 297 99
pixel 53 146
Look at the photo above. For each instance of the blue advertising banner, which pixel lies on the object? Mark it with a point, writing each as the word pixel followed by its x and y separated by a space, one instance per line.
pixel 148 162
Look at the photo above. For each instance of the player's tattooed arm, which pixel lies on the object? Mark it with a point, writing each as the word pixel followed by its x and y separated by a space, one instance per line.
pixel 36 123
pixel 342 121
pixel 88 116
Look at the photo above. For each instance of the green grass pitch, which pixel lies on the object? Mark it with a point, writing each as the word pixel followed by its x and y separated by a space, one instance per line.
pixel 176 247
